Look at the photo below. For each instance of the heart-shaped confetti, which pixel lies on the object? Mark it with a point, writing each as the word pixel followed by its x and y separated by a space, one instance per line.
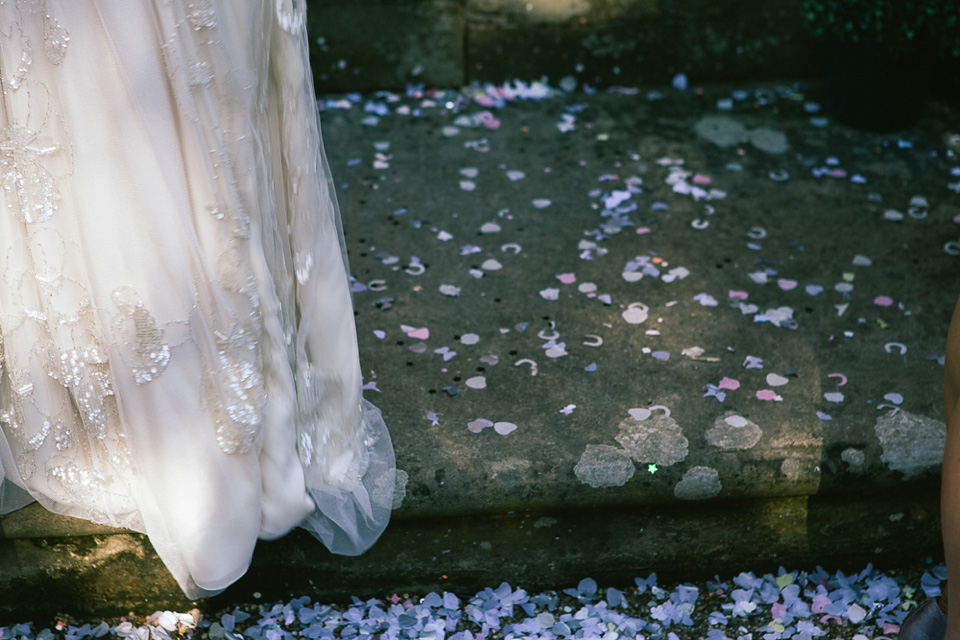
pixel 504 428
pixel 477 382
pixel 895 398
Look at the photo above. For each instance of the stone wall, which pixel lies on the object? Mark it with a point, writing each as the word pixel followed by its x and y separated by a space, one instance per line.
pixel 386 44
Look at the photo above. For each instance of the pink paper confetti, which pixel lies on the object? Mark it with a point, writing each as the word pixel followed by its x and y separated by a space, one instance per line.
pixel 729 383
pixel 567 278
pixel 701 179
pixel 820 603
pixel 737 295
pixel 768 394
pixel 420 334
pixel 883 301
pixel 843 378
pixel 642 230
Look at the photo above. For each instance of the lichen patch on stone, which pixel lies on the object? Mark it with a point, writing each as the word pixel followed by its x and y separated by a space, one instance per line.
pixel 733 431
pixel 603 465
pixel 911 443
pixel 657 439
pixel 699 483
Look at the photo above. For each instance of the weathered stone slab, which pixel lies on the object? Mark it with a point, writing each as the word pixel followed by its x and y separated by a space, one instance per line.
pixel 115 574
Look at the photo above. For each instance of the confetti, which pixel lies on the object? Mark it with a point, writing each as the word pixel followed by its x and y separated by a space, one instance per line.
pixel 504 428
pixel 477 382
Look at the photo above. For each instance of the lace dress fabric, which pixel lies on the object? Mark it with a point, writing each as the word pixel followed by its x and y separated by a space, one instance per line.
pixel 177 348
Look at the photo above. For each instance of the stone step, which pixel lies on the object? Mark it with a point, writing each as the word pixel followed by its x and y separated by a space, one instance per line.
pixel 377 44
pixel 779 403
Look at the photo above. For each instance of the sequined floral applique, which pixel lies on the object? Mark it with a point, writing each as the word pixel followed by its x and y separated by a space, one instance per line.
pixel 149 353
pixel 86 374
pixel 32 193
pixel 55 38
pixel 201 15
pixel 241 373
pixel 336 452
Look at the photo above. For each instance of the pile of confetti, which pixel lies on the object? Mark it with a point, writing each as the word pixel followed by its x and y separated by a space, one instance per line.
pixel 792 604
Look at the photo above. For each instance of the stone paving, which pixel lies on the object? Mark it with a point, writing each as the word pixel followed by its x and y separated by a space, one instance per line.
pixel 690 330
pixel 641 297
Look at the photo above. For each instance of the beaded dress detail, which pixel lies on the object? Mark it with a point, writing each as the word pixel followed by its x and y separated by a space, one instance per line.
pixel 177 348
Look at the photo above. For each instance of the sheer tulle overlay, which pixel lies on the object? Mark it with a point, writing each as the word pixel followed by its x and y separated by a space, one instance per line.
pixel 176 330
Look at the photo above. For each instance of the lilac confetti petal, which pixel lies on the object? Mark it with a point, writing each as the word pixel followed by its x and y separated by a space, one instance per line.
pixel 787 285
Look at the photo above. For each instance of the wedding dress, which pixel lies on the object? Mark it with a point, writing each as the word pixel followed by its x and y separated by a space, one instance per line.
pixel 176 333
